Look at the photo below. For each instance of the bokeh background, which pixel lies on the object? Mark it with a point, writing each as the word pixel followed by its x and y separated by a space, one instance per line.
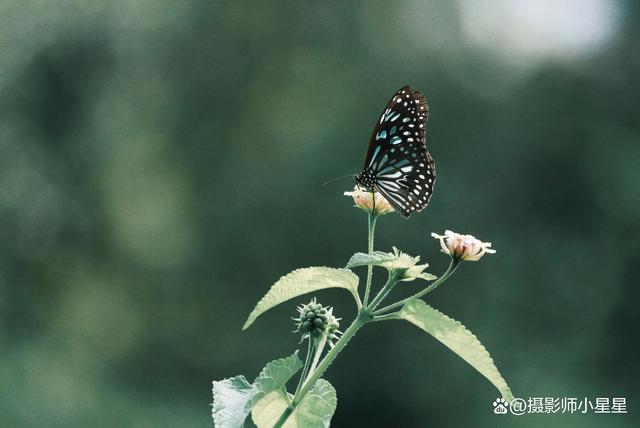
pixel 161 166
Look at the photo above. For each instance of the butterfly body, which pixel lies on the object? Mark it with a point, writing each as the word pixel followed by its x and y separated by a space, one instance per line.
pixel 398 164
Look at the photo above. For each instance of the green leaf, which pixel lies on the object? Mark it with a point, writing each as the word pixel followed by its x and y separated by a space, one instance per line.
pixel 303 281
pixel 231 402
pixel 275 375
pixel 233 398
pixel 375 258
pixel 314 411
pixel 456 337
pixel 316 408
pixel 266 412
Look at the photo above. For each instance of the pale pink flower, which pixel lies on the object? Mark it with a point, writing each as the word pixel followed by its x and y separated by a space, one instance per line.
pixel 364 199
pixel 463 247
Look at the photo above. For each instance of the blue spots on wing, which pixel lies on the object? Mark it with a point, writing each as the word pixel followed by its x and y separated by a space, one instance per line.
pixel 393 130
pixel 402 163
pixel 396 140
pixel 381 135
pixel 388 116
pixel 387 170
pixel 373 157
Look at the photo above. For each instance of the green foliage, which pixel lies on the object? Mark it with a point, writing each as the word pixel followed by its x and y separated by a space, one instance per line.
pixel 267 399
pixel 456 337
pixel 234 398
pixel 315 399
pixel 317 407
pixel 314 411
pixel 267 411
pixel 375 258
pixel 395 261
pixel 231 402
pixel 275 375
pixel 303 281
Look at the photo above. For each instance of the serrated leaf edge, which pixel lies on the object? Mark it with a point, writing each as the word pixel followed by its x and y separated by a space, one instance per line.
pixel 507 393
pixel 253 317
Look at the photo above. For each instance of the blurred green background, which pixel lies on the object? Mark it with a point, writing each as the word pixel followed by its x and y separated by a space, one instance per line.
pixel 161 166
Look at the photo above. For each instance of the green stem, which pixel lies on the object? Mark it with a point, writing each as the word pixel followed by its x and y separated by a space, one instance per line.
pixel 391 281
pixel 283 417
pixel 318 353
pixel 305 369
pixel 450 270
pixel 391 316
pixel 372 228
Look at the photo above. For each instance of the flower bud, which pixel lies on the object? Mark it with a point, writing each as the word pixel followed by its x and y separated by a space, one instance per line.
pixel 371 202
pixel 463 247
pixel 314 321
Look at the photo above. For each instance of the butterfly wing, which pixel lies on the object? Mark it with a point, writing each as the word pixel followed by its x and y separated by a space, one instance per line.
pixel 398 163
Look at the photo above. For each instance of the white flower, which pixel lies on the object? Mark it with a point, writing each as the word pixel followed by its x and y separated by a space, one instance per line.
pixel 463 247
pixel 407 265
pixel 366 200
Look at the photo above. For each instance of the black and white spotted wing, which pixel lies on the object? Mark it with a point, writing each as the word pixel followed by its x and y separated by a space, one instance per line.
pixel 398 164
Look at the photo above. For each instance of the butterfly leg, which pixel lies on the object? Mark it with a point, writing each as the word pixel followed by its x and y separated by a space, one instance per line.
pixel 373 196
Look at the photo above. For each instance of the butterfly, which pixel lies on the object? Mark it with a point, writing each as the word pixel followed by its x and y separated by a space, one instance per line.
pixel 398 164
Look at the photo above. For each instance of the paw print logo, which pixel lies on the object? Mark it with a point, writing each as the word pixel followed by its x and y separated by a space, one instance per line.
pixel 500 406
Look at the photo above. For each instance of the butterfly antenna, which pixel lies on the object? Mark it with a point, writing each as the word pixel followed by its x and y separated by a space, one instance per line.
pixel 336 179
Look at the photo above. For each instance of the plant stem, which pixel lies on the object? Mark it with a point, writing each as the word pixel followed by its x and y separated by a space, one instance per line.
pixel 307 360
pixel 391 281
pixel 318 353
pixel 372 228
pixel 452 268
pixel 385 317
pixel 284 416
